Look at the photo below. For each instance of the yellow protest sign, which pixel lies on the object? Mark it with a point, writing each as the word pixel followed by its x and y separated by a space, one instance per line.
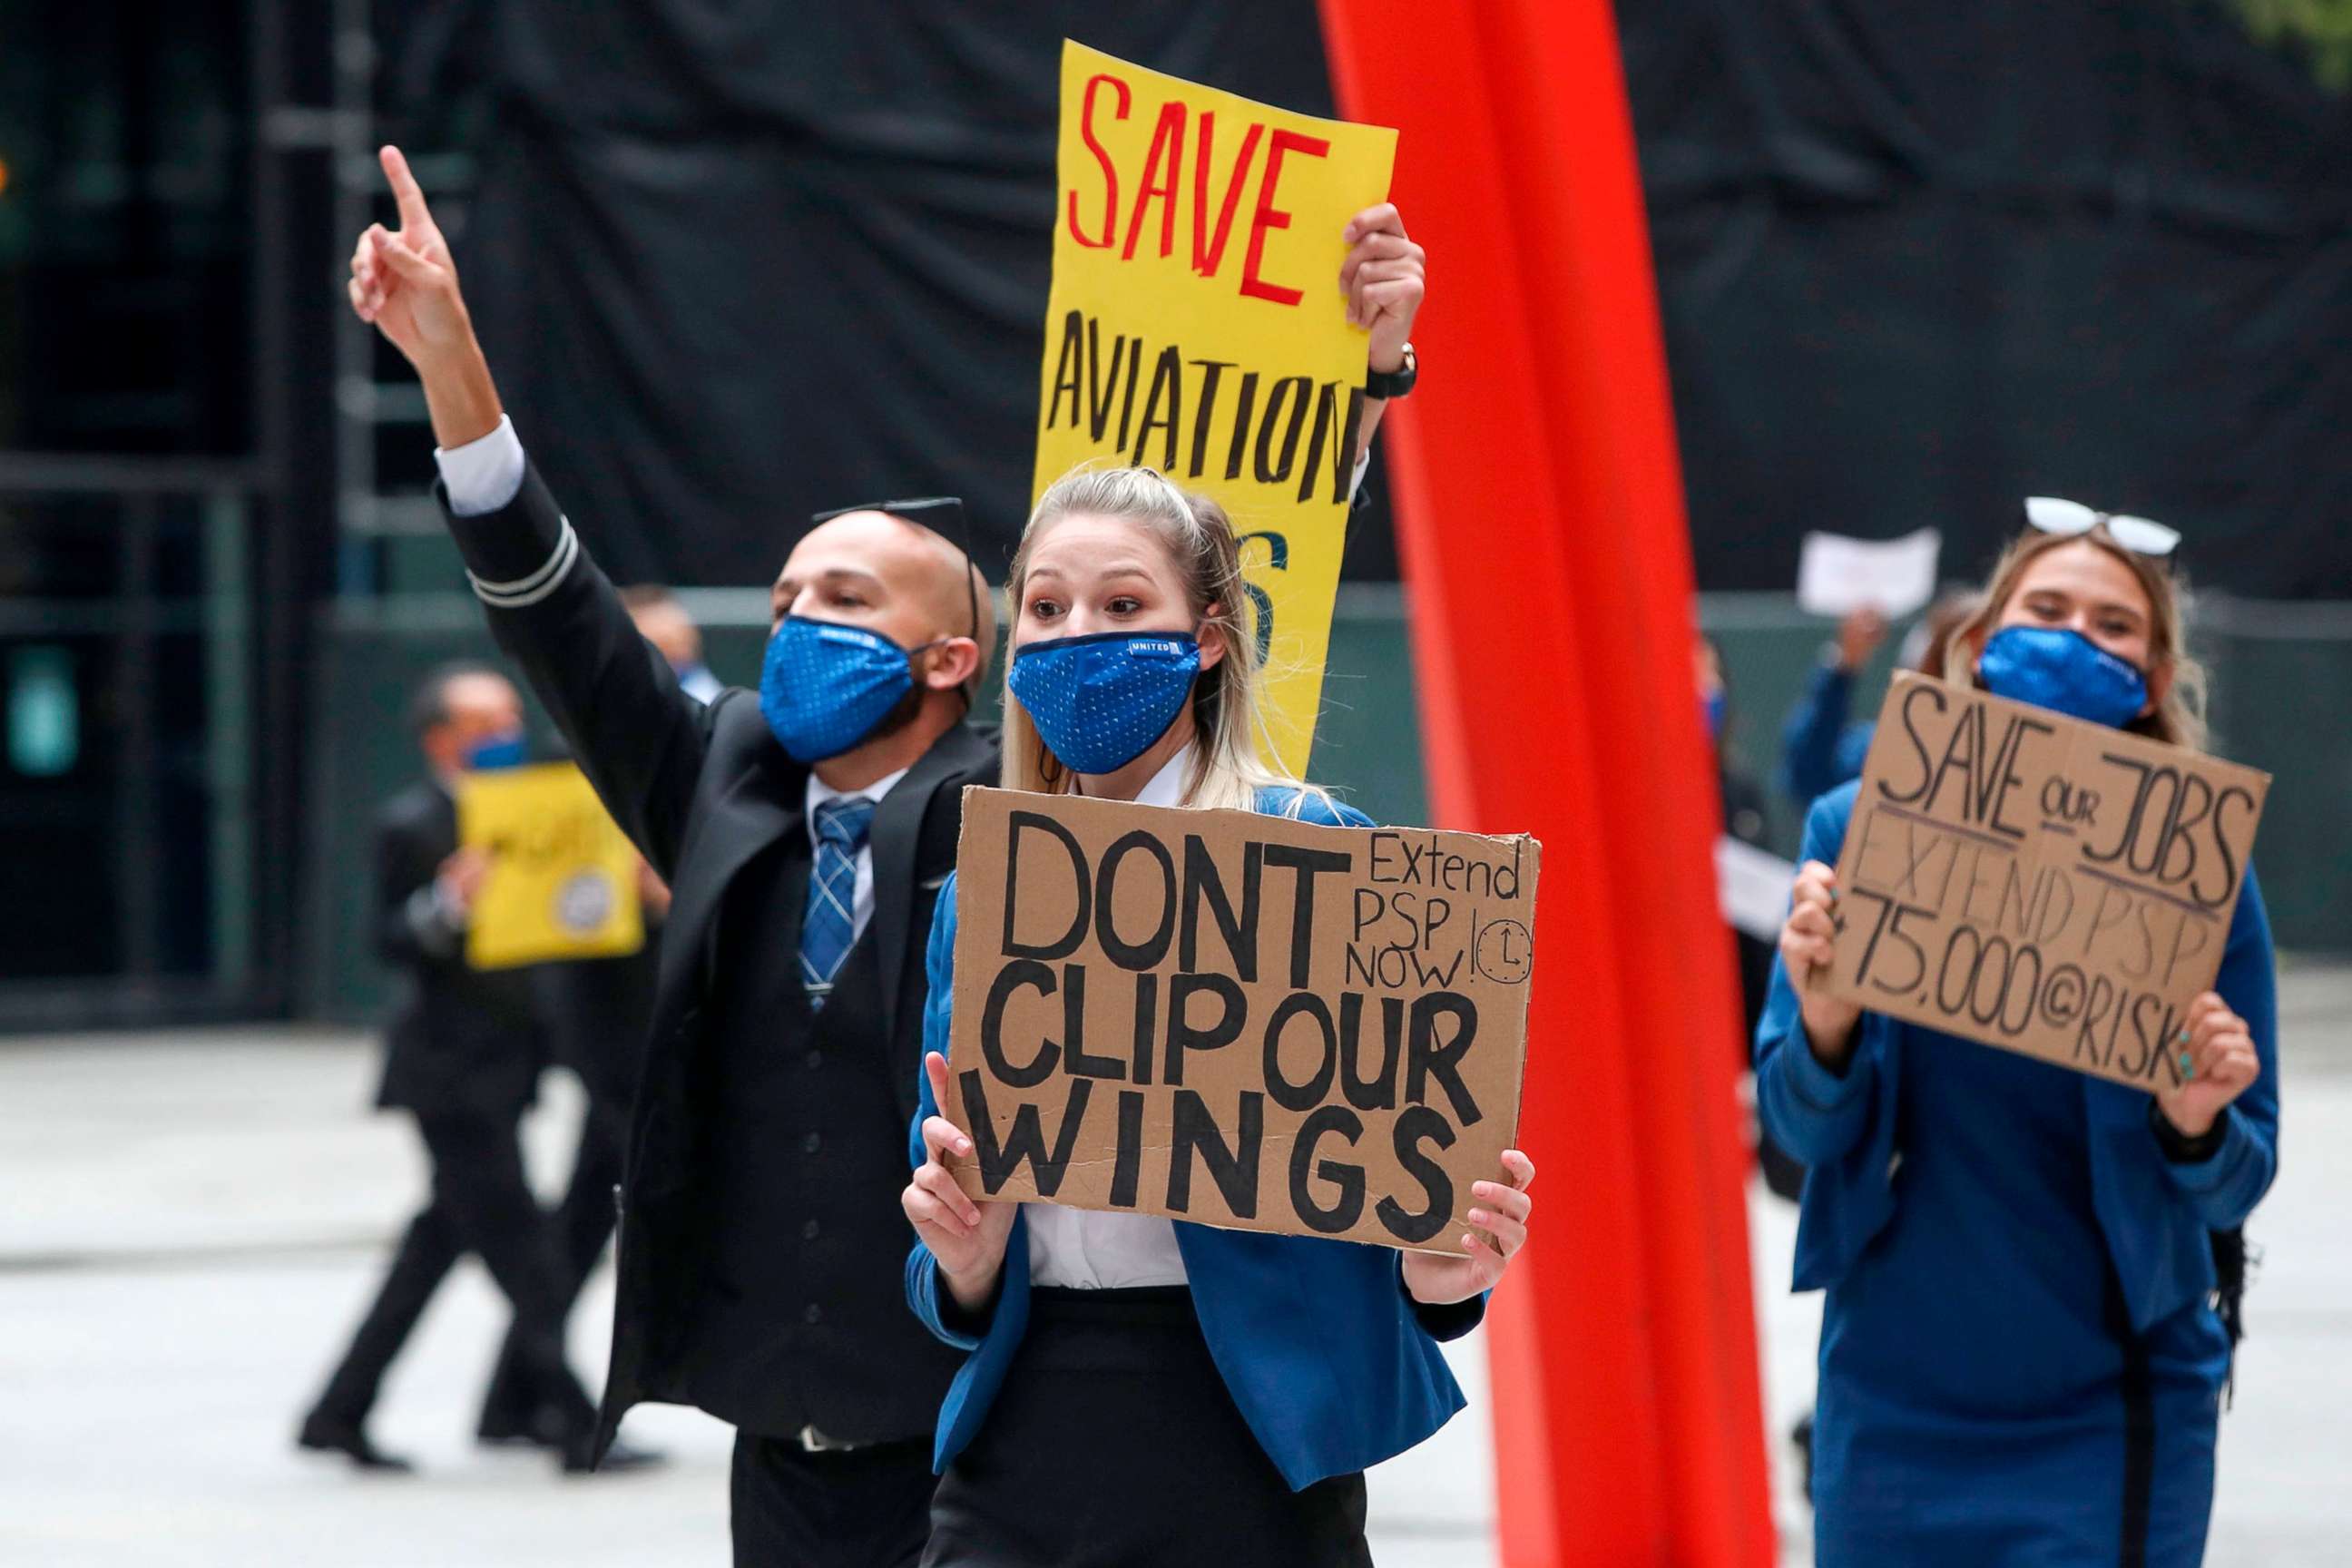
pixel 1196 325
pixel 562 880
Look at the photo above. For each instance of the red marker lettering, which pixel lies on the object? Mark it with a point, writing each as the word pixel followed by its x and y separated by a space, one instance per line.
pixel 1110 174
pixel 1269 216
pixel 1205 256
pixel 1163 169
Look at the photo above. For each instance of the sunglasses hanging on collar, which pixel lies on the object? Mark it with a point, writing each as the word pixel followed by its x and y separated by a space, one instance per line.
pixel 2140 535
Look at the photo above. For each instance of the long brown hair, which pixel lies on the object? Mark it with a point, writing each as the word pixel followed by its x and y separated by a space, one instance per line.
pixel 2180 719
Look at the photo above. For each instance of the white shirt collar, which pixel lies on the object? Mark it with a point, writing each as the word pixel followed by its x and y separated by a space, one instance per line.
pixel 819 791
pixel 1167 786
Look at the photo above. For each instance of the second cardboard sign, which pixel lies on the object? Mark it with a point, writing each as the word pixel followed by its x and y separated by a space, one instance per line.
pixel 2034 882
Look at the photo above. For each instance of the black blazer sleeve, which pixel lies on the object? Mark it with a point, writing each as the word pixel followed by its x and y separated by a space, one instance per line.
pixel 640 740
pixel 410 931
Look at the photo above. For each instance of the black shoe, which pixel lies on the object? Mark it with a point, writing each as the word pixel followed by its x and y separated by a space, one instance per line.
pixel 323 1434
pixel 1802 1437
pixel 579 1458
pixel 506 1432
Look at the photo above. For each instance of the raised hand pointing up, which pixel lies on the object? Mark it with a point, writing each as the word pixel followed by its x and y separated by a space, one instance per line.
pixel 405 286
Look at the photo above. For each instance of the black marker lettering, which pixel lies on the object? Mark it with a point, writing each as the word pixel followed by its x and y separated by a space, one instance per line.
pixel 1234 1168
pixel 1345 1210
pixel 1067 943
pixel 1418 1123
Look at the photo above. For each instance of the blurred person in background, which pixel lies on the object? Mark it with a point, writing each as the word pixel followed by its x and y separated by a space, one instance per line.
pixel 2032 1274
pixel 1821 746
pixel 807 830
pixel 463 1050
pixel 598 1012
pixel 1744 818
pixel 663 622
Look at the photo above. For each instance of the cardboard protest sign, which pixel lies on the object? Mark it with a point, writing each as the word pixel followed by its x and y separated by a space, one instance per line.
pixel 1196 325
pixel 562 880
pixel 1237 1019
pixel 2048 886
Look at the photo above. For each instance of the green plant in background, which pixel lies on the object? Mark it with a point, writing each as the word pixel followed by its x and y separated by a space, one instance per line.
pixel 2320 29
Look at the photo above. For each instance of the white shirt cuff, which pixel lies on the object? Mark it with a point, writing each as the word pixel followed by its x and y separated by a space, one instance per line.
pixel 485 475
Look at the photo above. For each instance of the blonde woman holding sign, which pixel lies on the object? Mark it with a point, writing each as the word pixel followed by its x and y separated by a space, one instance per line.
pixel 1139 1390
pixel 2032 1274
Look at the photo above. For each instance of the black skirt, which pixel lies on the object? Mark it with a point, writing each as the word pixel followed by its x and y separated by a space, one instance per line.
pixel 1113 1442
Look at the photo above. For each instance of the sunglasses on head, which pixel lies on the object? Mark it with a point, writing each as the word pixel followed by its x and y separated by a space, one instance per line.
pixel 2140 535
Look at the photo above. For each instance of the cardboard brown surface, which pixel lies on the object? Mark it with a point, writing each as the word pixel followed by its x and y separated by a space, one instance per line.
pixel 1120 970
pixel 2035 882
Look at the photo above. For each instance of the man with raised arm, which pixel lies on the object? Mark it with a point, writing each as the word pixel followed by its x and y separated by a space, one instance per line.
pixel 805 831
pixel 761 1240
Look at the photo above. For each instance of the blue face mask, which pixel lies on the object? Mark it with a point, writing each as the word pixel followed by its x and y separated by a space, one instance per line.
pixel 1100 701
pixel 493 751
pixel 1711 709
pixel 823 686
pixel 2064 671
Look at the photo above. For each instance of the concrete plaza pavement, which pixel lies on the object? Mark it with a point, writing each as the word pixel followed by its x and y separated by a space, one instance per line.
pixel 191 1223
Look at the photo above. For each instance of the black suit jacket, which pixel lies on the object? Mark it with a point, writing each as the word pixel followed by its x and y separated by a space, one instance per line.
pixel 598 1012
pixel 704 790
pixel 456 1040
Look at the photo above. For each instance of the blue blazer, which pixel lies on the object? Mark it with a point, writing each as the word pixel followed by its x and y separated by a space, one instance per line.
pixel 1334 1367
pixel 2154 1213
pixel 1819 749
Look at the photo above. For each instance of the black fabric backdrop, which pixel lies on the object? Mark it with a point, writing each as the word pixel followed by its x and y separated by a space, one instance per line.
pixel 1917 262
pixel 737 262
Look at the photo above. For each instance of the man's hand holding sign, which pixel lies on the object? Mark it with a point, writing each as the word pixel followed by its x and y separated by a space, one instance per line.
pixel 2039 883
pixel 1238 1020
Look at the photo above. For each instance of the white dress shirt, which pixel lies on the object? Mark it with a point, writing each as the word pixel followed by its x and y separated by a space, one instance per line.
pixel 861 904
pixel 1091 1251
pixel 482 475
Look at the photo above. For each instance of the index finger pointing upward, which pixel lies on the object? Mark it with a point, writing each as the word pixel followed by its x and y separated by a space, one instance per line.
pixel 414 214
pixel 942 1137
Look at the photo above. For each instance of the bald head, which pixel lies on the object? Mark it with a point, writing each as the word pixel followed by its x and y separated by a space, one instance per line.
pixel 896 577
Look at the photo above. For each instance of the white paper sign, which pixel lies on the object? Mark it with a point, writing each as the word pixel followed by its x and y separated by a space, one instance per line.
pixel 1837 575
pixel 1754 887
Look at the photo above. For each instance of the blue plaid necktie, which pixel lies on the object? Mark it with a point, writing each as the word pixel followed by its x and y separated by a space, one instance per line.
pixel 829 924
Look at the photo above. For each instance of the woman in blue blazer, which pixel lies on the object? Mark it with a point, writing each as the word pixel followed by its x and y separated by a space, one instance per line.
pixel 2026 1335
pixel 1139 1389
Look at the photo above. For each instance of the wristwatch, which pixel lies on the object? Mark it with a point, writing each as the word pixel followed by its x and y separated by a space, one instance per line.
pixel 1395 383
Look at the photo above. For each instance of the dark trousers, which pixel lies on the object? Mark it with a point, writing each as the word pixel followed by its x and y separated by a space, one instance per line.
pixel 867 1508
pixel 481 1204
pixel 1114 1443
pixel 581 1224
